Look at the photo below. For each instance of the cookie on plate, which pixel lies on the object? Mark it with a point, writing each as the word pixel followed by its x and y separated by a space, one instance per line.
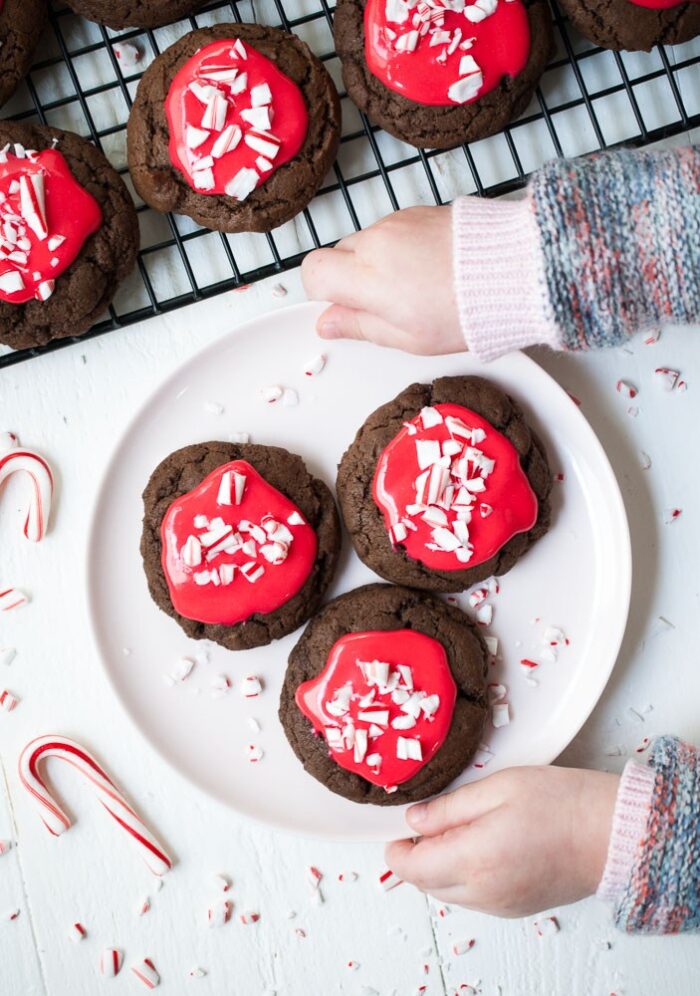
pixel 239 543
pixel 21 24
pixel 70 234
pixel 384 699
pixel 445 485
pixel 436 75
pixel 635 25
pixel 120 14
pixel 235 126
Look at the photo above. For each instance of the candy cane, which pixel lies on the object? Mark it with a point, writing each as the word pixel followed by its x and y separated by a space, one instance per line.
pixel 111 798
pixel 15 460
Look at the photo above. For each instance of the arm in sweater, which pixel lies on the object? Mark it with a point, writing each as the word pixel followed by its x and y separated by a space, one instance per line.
pixel 652 875
pixel 600 248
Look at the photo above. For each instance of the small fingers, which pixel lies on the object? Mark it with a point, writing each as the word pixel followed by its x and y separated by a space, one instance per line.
pixel 338 275
pixel 429 864
pixel 454 809
pixel 338 322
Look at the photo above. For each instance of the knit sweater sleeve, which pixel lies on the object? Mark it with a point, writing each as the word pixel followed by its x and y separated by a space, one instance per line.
pixel 652 874
pixel 600 248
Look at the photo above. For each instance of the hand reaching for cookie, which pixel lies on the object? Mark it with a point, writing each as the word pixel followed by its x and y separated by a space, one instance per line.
pixel 518 842
pixel 391 284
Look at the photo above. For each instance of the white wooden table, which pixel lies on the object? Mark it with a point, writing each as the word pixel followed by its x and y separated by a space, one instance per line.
pixel 72 406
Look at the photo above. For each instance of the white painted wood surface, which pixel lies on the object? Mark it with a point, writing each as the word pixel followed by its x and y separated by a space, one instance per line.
pixel 72 406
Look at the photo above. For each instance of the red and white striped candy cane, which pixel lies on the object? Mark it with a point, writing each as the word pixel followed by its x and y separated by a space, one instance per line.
pixel 111 798
pixel 16 460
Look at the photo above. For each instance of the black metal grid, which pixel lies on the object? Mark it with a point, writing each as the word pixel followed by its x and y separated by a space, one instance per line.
pixel 582 104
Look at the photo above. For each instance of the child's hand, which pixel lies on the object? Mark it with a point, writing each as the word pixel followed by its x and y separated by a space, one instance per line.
pixel 391 284
pixel 518 842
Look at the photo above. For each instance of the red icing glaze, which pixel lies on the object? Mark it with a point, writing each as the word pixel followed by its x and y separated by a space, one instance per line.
pixel 493 48
pixel 235 598
pixel 208 123
pixel 347 664
pixel 505 506
pixel 41 205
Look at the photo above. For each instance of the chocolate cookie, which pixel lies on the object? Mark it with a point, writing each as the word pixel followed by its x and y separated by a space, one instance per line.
pixel 73 235
pixel 245 561
pixel 381 617
pixel 423 68
pixel 21 24
pixel 235 126
pixel 437 497
pixel 625 25
pixel 120 14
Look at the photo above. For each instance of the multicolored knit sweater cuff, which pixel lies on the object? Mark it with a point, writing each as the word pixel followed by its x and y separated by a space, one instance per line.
pixel 652 873
pixel 600 248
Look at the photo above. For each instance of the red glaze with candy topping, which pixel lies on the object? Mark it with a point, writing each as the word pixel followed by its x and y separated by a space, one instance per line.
pixel 234 547
pixel 45 219
pixel 439 56
pixel 234 119
pixel 452 490
pixel 382 695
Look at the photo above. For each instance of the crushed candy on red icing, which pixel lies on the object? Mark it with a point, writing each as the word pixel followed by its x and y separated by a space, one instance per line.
pixel 234 546
pixel 45 219
pixel 451 489
pixel 443 52
pixel 234 119
pixel 384 703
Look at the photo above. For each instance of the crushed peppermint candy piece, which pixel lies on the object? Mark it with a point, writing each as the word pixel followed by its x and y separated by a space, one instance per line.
pixel 251 686
pixel 347 876
pixel 111 960
pixel 389 881
pixel 315 366
pixel 290 397
pixel 666 378
pixel 128 53
pixel 500 714
pixel 143 906
pixel 5 846
pixel 77 932
pixel 461 947
pixel 221 882
pixel 219 685
pixel 626 389
pixel 484 615
pixel 145 971
pixel 672 515
pixel 197 973
pixel 279 290
pixel 546 926
pixel 272 393
pixel 249 917
pixel 254 753
pixel 219 913
pixel 12 598
pixel 8 701
pixel 182 669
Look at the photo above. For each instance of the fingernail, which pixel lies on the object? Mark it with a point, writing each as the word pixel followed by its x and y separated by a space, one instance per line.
pixel 417 814
pixel 329 330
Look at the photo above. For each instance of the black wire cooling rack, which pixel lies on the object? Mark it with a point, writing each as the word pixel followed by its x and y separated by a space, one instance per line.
pixel 588 99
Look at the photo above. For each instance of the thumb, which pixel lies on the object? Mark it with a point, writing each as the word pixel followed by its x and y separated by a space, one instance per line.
pixel 464 805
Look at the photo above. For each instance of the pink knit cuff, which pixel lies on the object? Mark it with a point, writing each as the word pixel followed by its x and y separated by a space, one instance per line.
pixel 632 807
pixel 499 279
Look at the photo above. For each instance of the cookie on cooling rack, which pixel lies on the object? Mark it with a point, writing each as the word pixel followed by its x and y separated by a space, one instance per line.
pixel 445 485
pixel 120 14
pixel 21 24
pixel 235 126
pixel 69 236
pixel 436 75
pixel 634 25
pixel 384 699
pixel 239 543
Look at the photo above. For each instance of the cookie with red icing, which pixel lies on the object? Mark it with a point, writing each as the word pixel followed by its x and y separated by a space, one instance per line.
pixel 436 73
pixel 234 125
pixel 384 699
pixel 445 485
pixel 239 542
pixel 635 25
pixel 120 14
pixel 21 25
pixel 68 234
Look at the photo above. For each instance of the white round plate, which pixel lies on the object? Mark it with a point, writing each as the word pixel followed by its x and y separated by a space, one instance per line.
pixel 577 577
